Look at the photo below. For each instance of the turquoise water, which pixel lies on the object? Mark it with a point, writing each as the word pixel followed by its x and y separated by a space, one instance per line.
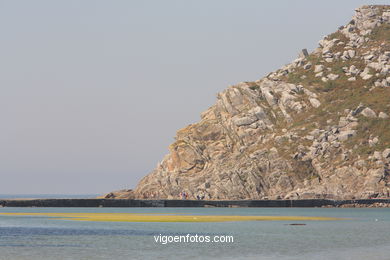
pixel 365 235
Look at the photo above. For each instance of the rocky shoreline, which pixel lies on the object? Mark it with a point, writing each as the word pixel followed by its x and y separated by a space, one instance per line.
pixel 369 203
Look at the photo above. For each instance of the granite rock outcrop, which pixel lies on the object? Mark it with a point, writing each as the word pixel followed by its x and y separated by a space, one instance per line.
pixel 316 128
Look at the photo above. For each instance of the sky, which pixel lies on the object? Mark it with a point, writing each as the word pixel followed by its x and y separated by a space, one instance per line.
pixel 92 92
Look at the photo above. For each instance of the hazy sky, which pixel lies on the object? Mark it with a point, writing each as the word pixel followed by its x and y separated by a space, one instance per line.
pixel 92 92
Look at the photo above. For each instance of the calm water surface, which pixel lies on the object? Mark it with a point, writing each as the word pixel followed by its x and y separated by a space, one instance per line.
pixel 364 235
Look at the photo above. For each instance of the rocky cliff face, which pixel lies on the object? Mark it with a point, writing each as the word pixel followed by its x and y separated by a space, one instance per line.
pixel 316 128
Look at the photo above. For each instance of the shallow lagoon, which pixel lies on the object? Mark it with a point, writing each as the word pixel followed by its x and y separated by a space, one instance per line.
pixel 362 234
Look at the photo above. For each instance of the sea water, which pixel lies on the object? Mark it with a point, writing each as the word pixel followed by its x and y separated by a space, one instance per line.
pixel 362 234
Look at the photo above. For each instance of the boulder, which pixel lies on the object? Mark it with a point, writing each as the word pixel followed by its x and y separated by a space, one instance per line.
pixel 351 53
pixel 386 153
pixel 332 76
pixel 377 156
pixel 318 68
pixel 344 135
pixel 315 102
pixel 366 74
pixel 246 120
pixel 368 112
pixel 383 115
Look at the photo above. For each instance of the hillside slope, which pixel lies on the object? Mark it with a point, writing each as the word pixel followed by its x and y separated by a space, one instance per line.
pixel 316 128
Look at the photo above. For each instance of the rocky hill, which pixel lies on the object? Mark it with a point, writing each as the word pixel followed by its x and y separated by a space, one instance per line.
pixel 316 128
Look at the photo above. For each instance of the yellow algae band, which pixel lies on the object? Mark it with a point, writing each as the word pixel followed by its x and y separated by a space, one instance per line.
pixel 138 217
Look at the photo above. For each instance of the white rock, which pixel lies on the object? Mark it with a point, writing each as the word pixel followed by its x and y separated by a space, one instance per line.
pixel 377 155
pixel 332 76
pixel 351 53
pixel 244 121
pixel 386 153
pixel 366 74
pixel 345 55
pixel 309 93
pixel 315 102
pixel 344 156
pixel 343 121
pixel 269 97
pixel 318 68
pixel 373 142
pixel 368 112
pixel 353 70
pixel 352 79
pixel 378 83
pixel 386 15
pixel 259 113
pixel 369 57
pixel 360 163
pixel 375 65
pixel 383 115
pixel 344 135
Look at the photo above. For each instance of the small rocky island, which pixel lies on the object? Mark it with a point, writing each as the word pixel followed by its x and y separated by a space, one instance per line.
pixel 317 128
